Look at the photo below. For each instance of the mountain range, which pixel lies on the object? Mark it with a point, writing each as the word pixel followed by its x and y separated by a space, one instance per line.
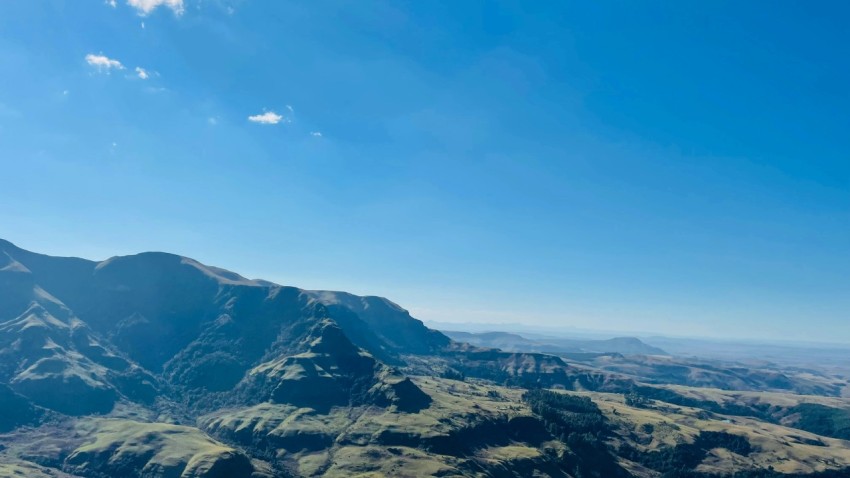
pixel 155 365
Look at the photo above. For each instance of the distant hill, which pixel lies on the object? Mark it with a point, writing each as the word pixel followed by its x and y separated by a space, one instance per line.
pixel 517 343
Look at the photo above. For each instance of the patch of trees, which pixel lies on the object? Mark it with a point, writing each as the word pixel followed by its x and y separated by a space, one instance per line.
pixel 822 420
pixel 637 400
pixel 453 374
pixel 813 417
pixel 737 444
pixel 578 423
pixel 641 395
pixel 678 460
pixel 561 402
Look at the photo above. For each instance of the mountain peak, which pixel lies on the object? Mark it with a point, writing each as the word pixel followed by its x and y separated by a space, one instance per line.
pixel 154 262
pixel 8 247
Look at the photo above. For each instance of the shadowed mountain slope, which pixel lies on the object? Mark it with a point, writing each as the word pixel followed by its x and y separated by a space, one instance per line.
pixel 121 328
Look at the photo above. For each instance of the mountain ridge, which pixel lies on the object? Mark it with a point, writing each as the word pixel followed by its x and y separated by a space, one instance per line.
pixel 511 341
pixel 110 367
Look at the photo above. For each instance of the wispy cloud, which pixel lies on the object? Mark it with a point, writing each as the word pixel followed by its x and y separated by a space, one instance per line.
pixel 144 7
pixel 142 73
pixel 317 134
pixel 112 3
pixel 290 109
pixel 212 120
pixel 269 117
pixel 103 63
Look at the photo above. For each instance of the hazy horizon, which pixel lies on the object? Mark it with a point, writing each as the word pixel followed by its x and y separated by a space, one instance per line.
pixel 532 326
pixel 680 170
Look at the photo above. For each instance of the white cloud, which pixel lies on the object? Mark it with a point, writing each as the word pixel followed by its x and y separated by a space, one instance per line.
pixel 112 3
pixel 317 134
pixel 269 117
pixel 65 92
pixel 212 120
pixel 146 6
pixel 103 63
pixel 290 109
pixel 142 73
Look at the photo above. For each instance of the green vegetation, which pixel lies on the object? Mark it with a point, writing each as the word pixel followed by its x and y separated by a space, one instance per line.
pixel 579 423
pixel 822 420
pixel 130 448
pixel 635 399
pixel 687 456
pixel 452 374
pixel 640 396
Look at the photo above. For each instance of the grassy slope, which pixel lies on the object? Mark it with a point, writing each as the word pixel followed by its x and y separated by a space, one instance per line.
pixel 785 449
pixel 374 441
pixel 107 447
pixel 369 440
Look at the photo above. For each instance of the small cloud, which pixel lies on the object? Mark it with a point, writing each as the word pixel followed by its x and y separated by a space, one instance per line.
pixel 317 134
pixel 65 92
pixel 103 63
pixel 112 3
pixel 212 120
pixel 143 25
pixel 145 7
pixel 290 109
pixel 269 117
pixel 142 73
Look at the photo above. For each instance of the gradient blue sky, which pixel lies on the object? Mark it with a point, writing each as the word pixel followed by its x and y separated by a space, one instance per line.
pixel 674 167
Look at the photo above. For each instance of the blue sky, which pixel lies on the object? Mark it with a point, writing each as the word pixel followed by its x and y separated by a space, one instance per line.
pixel 672 167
